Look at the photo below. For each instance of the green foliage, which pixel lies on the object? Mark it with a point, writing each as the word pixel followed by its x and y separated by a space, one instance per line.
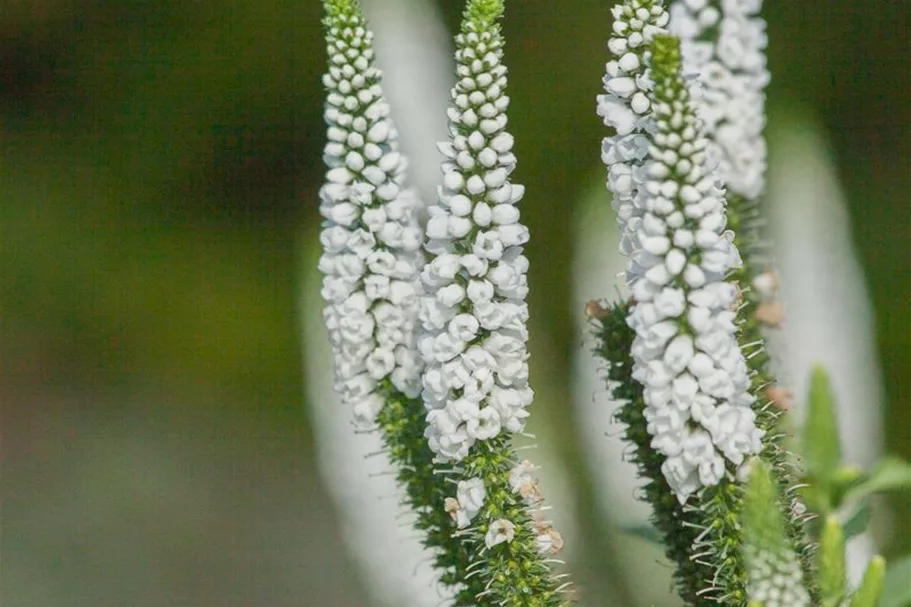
pixel 832 581
pixel 893 582
pixel 821 447
pixel 872 584
pixel 513 573
pixel 402 425
pixel 339 8
pixel 833 486
pixel 762 526
pixel 745 218
pixel 666 59
pixel 890 474
pixel 647 533
pixel 859 520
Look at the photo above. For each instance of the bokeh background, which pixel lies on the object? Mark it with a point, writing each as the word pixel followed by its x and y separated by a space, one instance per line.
pixel 159 163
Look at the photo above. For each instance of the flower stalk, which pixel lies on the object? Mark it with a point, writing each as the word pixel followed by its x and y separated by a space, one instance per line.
pixel 723 42
pixel 685 354
pixel 371 267
pixel 473 338
pixel 677 526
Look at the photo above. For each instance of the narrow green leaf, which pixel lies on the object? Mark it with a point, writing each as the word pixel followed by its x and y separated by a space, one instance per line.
pixel 845 479
pixel 645 532
pixel 859 521
pixel 890 474
pixel 896 586
pixel 821 446
pixel 872 584
pixel 831 557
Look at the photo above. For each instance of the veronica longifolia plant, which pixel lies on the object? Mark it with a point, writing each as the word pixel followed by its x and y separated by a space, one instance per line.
pixel 469 364
pixel 371 263
pixel 428 324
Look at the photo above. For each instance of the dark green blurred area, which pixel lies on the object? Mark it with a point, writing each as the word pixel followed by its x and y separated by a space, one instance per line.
pixel 158 169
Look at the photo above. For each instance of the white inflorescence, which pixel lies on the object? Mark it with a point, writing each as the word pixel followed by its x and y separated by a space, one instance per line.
pixel 776 580
pixel 625 108
pixel 685 352
pixel 371 238
pixel 475 384
pixel 724 41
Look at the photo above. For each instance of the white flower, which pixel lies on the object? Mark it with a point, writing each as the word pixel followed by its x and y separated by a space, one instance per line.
pixel 485 426
pixel 548 539
pixel 523 481
pixel 685 353
pixel 625 108
pixel 682 477
pixel 458 514
pixel 370 235
pixel 500 531
pixel 471 495
pixel 472 315
pixel 732 68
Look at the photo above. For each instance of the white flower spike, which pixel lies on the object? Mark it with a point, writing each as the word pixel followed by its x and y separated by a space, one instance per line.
pixel 625 108
pixel 473 314
pixel 371 239
pixel 723 42
pixel 685 352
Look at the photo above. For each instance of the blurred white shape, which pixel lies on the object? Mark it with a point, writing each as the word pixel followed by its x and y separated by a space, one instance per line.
pixel 415 52
pixel 829 317
pixel 597 269
pixel 597 273
pixel 377 527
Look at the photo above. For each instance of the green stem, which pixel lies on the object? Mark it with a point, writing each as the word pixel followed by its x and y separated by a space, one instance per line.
pixel 402 425
pixel 745 219
pixel 676 525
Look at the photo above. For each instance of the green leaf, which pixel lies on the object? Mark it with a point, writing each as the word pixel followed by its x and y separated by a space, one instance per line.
pixel 821 447
pixel 844 480
pixel 859 521
pixel 644 532
pixel 831 559
pixel 871 585
pixel 890 474
pixel 896 587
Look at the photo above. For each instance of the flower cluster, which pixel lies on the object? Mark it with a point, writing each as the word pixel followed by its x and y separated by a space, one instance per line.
pixel 695 379
pixel 723 41
pixel 371 239
pixel 473 313
pixel 470 496
pixel 625 108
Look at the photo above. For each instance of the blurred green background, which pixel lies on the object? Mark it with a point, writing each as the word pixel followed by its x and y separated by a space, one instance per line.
pixel 159 163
